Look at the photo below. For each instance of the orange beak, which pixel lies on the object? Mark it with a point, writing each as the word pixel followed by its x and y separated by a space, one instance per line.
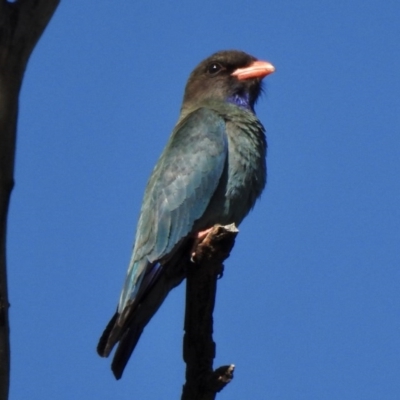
pixel 257 69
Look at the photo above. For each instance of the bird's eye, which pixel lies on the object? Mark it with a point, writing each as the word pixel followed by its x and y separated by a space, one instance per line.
pixel 214 68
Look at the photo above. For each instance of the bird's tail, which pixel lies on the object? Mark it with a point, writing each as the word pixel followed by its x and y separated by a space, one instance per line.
pixel 126 327
pixel 136 284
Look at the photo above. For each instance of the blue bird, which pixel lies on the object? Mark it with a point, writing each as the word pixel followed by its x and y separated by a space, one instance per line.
pixel 211 172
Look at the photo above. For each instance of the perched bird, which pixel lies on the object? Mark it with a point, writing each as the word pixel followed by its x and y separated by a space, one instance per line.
pixel 211 171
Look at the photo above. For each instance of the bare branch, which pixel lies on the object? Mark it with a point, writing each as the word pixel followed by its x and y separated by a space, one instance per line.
pixel 202 383
pixel 21 25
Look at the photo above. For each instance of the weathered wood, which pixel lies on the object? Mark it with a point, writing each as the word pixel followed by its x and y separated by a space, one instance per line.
pixel 21 24
pixel 202 382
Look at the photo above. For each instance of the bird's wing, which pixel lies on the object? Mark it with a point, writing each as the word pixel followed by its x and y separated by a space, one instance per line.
pixel 178 193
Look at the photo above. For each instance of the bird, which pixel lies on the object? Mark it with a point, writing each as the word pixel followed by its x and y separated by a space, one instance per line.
pixel 212 171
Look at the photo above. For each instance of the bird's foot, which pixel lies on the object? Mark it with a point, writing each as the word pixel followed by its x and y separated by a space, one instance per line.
pixel 198 238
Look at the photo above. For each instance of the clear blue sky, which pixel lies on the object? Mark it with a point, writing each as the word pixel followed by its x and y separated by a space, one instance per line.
pixel 309 305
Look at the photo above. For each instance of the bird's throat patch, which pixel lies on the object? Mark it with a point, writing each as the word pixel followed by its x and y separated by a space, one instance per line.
pixel 240 101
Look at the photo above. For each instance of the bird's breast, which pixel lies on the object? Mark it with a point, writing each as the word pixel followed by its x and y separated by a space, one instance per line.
pixel 244 175
pixel 246 167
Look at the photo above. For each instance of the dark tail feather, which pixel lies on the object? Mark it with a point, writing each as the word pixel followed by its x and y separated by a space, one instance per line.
pixel 136 319
pixel 125 349
pixel 101 347
pixel 140 318
pixel 127 327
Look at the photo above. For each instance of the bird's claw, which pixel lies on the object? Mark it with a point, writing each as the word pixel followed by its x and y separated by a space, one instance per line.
pixel 198 238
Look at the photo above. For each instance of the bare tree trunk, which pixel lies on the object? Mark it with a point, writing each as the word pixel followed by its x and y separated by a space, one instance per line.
pixel 202 383
pixel 21 25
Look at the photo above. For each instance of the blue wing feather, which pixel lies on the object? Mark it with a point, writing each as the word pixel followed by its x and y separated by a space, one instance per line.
pixel 178 192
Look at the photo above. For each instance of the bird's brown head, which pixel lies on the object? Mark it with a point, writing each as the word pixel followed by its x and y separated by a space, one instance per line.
pixel 228 76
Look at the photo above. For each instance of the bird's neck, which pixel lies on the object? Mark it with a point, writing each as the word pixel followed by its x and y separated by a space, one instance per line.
pixel 225 106
pixel 242 101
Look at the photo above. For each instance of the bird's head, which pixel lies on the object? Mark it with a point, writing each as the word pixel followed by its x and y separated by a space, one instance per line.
pixel 228 76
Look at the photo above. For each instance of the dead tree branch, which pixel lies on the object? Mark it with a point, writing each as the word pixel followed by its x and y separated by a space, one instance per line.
pixel 202 382
pixel 21 24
